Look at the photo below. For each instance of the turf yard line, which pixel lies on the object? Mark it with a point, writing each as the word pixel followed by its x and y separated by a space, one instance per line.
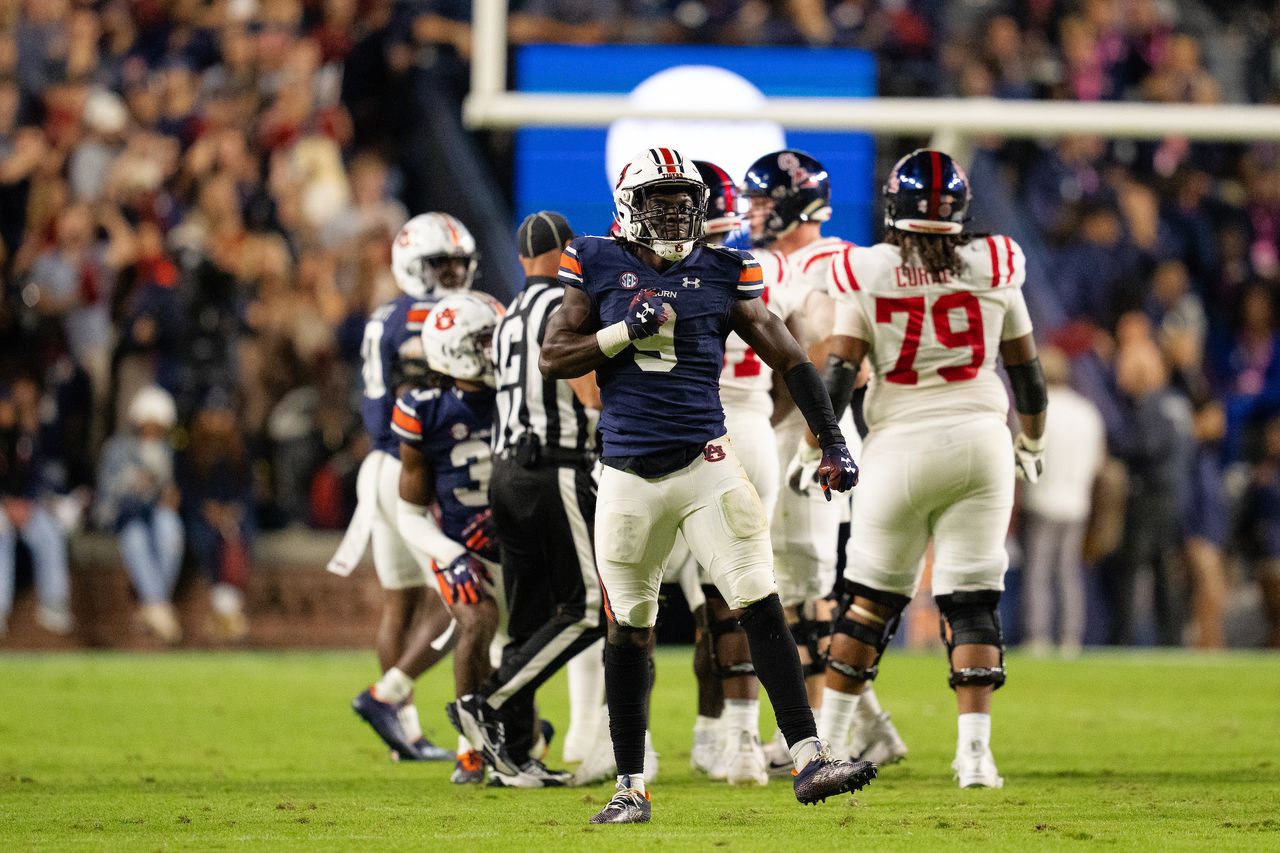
pixel 198 751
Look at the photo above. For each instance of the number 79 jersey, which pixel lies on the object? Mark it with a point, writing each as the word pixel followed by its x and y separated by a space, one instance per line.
pixel 933 340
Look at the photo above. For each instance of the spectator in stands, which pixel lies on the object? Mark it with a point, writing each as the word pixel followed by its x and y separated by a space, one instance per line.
pixel 138 499
pixel 1057 512
pixel 563 21
pixel 24 516
pixel 1260 527
pixel 217 501
pixel 1157 445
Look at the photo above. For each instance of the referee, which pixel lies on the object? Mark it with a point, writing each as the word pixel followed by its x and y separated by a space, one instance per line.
pixel 543 497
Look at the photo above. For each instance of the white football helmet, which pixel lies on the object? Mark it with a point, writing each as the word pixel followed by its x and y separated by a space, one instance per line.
pixel 457 336
pixel 428 238
pixel 654 171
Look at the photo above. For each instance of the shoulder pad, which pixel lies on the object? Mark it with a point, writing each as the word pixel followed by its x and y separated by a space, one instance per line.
pixel 741 257
pixel 996 259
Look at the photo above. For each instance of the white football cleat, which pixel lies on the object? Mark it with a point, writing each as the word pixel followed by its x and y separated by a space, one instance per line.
pixel 708 744
pixel 977 770
pixel 882 743
pixel 777 756
pixel 745 764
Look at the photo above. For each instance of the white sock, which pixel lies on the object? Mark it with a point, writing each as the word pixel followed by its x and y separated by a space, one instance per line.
pixel 835 718
pixel 869 706
pixel 634 781
pixel 741 715
pixel 974 733
pixel 705 725
pixel 393 688
pixel 464 745
pixel 805 751
pixel 409 721
pixel 586 695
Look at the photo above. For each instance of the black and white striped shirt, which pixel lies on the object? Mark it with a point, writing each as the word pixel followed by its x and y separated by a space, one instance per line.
pixel 527 401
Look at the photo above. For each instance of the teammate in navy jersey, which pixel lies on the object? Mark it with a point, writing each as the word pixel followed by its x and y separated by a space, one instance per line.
pixel 649 311
pixel 433 254
pixel 444 450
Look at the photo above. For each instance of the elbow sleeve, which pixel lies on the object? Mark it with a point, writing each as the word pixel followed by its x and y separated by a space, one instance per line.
pixel 423 537
pixel 841 376
pixel 812 400
pixel 1030 396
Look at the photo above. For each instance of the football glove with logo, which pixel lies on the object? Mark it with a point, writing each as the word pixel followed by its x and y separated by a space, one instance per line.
pixel 462 582
pixel 837 470
pixel 645 315
pixel 481 536
pixel 1028 457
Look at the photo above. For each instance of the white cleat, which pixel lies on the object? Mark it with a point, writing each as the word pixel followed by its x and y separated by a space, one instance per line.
pixel 707 747
pixel 977 770
pixel 746 764
pixel 883 744
pixel 778 757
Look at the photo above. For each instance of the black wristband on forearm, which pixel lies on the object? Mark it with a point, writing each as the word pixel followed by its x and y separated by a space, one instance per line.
pixel 1030 396
pixel 859 415
pixel 841 376
pixel 812 400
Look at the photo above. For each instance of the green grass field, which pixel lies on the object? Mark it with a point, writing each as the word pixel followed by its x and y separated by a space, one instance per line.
pixel 212 751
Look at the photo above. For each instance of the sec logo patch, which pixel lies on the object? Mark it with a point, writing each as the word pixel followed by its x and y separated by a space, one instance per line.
pixel 629 280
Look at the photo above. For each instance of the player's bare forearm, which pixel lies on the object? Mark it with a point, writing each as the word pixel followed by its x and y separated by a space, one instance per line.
pixel 1022 363
pixel 415 476
pixel 570 348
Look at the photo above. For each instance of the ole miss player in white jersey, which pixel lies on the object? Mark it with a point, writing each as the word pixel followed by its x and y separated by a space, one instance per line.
pixel 930 308
pixel 790 195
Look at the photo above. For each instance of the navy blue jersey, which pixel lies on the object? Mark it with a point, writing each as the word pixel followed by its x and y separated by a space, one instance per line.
pixel 452 429
pixel 386 332
pixel 662 392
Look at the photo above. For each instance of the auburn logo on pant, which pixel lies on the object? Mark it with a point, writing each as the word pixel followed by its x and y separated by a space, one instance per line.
pixel 713 453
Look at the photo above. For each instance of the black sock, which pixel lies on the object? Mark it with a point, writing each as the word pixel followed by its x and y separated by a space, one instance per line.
pixel 773 651
pixel 626 688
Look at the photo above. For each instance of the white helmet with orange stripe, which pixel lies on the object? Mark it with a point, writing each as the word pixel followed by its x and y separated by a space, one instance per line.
pixel 432 255
pixel 661 202
pixel 457 336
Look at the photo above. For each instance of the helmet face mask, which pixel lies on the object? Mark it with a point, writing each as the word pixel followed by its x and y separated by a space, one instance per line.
pixel 661 203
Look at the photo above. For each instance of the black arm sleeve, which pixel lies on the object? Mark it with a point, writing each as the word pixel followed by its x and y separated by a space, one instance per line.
pixel 812 400
pixel 1029 394
pixel 840 378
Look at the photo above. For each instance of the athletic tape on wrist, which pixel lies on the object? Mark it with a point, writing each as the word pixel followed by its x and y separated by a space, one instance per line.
pixel 613 339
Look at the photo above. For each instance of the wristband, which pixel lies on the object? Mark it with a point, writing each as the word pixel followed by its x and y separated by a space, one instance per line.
pixel 613 339
pixel 1035 445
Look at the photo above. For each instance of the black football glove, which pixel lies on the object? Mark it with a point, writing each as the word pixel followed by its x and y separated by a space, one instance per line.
pixel 837 470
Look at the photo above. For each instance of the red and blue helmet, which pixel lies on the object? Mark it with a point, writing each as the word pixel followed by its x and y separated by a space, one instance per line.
pixel 798 186
pixel 927 193
pixel 723 216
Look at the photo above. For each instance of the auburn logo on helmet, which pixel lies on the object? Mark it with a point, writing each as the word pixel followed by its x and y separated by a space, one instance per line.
pixel 445 319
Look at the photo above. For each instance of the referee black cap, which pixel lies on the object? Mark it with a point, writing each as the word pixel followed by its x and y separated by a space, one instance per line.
pixel 543 232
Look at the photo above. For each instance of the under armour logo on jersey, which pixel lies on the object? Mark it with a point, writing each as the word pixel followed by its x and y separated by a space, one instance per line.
pixel 713 453
pixel 445 318
pixel 695 283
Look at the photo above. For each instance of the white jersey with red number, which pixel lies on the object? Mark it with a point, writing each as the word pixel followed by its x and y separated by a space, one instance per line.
pixel 811 266
pixel 934 342
pixel 745 380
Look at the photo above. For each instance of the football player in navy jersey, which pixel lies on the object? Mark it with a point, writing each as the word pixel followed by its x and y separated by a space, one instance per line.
pixel 649 312
pixel 444 451
pixel 432 255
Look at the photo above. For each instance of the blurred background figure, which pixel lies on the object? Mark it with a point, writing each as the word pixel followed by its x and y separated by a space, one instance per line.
pixel 1056 513
pixel 1156 443
pixel 1260 523
pixel 138 500
pixel 217 501
pixel 23 515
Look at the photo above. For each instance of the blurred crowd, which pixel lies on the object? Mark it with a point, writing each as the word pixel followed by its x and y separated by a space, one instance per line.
pixel 197 199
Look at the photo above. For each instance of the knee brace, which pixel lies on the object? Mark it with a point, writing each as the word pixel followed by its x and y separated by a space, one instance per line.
pixel 974 619
pixel 720 628
pixel 806 632
pixel 874 630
